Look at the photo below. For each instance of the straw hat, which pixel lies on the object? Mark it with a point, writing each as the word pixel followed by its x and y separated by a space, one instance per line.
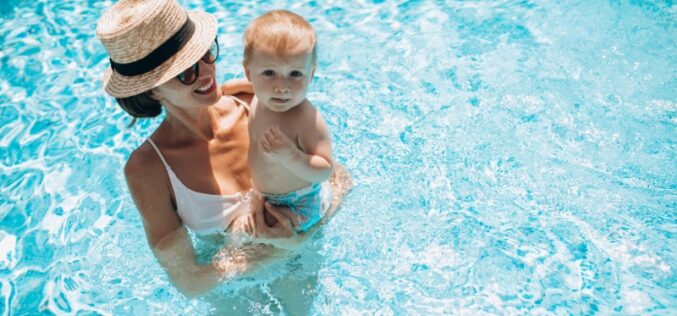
pixel 151 42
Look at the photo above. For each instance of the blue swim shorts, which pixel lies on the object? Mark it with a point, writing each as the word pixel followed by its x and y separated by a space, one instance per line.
pixel 310 203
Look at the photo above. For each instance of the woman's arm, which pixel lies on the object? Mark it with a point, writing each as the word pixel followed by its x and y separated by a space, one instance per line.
pixel 237 85
pixel 164 230
pixel 175 254
pixel 168 238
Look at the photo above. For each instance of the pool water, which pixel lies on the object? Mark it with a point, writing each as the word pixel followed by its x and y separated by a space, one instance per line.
pixel 509 157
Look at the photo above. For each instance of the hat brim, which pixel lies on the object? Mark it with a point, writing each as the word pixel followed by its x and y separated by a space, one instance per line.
pixel 120 86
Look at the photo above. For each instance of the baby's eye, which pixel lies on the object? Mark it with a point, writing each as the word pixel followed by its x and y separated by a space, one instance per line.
pixel 268 73
pixel 296 74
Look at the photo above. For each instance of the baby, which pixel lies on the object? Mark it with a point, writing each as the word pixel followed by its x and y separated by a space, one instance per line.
pixel 290 153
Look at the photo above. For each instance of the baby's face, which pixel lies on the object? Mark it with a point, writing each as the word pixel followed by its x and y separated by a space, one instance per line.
pixel 280 82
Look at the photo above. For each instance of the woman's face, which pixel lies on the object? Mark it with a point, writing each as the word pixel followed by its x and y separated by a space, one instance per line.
pixel 203 92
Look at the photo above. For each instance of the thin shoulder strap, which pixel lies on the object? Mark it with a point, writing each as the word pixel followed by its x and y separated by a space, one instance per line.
pixel 244 104
pixel 157 150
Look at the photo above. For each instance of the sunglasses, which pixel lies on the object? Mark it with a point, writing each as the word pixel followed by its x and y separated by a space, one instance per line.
pixel 189 76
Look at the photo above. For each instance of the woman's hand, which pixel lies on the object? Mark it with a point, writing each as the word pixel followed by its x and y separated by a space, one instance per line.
pixel 235 86
pixel 286 220
pixel 282 234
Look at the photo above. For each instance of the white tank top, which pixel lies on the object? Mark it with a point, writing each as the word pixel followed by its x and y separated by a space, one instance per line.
pixel 201 212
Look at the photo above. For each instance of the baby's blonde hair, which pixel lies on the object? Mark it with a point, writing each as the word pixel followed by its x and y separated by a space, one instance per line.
pixel 280 32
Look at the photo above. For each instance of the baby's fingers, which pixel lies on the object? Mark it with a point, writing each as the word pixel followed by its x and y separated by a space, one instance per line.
pixel 264 145
pixel 280 137
pixel 274 129
pixel 250 226
pixel 272 138
pixel 277 133
pixel 282 220
pixel 294 218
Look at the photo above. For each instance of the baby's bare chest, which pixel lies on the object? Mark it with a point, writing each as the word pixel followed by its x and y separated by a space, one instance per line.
pixel 269 174
pixel 259 124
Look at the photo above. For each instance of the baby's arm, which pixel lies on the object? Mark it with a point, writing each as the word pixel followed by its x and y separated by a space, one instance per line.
pixel 313 162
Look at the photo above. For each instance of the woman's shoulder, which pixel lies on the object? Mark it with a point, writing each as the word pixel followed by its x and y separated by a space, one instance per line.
pixel 143 162
pixel 147 177
pixel 151 191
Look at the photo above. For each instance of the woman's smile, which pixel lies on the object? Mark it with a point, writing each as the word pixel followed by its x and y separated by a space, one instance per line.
pixel 207 88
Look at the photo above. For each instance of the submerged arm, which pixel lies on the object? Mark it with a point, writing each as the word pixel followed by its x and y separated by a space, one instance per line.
pixel 168 238
pixel 175 254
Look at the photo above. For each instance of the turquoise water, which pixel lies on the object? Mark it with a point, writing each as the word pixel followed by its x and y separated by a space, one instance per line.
pixel 510 157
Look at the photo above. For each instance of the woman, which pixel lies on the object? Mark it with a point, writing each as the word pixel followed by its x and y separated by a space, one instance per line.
pixel 192 172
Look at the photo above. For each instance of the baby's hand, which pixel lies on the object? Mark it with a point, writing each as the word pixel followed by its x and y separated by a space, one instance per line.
pixel 277 144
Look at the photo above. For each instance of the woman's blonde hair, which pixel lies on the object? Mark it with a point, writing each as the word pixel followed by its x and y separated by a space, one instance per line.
pixel 280 32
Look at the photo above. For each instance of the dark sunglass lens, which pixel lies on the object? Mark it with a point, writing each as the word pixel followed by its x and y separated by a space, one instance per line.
pixel 212 54
pixel 189 75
